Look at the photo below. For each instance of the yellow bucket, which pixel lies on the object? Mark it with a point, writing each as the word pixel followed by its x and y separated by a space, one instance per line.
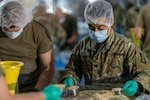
pixel 11 70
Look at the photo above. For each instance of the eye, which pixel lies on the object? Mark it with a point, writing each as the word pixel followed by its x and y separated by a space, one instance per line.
pixel 91 28
pixel 100 28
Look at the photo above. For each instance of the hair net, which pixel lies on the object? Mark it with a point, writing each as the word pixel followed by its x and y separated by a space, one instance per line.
pixel 2 2
pixel 99 12
pixel 14 13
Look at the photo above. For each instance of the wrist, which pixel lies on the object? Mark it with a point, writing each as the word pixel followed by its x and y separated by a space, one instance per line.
pixel 142 89
pixel 44 95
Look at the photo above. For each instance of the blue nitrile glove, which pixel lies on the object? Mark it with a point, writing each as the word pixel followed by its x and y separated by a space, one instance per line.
pixel 68 82
pixel 130 88
pixel 52 92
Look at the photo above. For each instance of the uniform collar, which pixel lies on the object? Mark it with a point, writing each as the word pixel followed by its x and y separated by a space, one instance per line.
pixel 110 39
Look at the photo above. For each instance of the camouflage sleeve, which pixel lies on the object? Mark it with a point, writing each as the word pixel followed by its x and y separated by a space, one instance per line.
pixel 144 68
pixel 73 69
pixel 140 22
pixel 138 67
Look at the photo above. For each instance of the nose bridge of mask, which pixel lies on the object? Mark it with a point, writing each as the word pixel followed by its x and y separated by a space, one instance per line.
pixel 100 33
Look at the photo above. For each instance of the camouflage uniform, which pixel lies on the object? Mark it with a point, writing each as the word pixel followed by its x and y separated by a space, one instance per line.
pixel 144 22
pixel 116 60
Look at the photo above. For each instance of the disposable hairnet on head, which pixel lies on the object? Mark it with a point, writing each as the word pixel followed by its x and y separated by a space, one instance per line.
pixel 14 13
pixel 2 2
pixel 99 12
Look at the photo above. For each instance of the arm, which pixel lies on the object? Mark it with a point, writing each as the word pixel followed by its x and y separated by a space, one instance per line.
pixel 73 70
pixel 143 67
pixel 47 60
pixel 137 69
pixel 138 32
pixel 74 37
pixel 139 25
pixel 74 28
pixel 5 95
pixel 27 96
pixel 138 66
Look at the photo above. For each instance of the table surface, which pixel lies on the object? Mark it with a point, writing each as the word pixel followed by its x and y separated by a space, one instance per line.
pixel 97 92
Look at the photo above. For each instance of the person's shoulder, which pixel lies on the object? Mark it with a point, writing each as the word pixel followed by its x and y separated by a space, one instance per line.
pixel 145 8
pixel 133 10
pixel 70 16
pixel 35 22
pixel 37 25
pixel 122 40
pixel 82 42
pixel 81 45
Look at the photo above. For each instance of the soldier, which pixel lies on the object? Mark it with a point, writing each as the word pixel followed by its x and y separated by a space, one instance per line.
pixel 143 24
pixel 129 22
pixel 23 39
pixel 105 56
pixel 69 23
pixel 50 21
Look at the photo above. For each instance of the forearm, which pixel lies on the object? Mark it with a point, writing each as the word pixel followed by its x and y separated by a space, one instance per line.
pixel 48 70
pixel 45 78
pixel 31 96
pixel 143 80
pixel 72 70
pixel 138 32
pixel 74 37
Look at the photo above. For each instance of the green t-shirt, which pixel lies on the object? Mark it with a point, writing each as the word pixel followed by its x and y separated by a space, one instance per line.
pixel 26 48
pixel 1 71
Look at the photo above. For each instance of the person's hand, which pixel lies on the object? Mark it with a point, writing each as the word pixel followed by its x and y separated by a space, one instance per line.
pixel 68 82
pixel 52 92
pixel 130 88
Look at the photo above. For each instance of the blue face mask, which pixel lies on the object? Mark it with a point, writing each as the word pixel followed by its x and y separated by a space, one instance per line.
pixel 98 36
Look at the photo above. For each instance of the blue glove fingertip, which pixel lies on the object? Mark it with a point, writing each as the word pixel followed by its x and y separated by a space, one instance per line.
pixel 68 82
pixel 130 88
pixel 52 92
pixel 65 82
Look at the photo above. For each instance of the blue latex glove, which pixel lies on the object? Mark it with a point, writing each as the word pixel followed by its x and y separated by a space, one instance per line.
pixel 130 88
pixel 52 92
pixel 68 82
